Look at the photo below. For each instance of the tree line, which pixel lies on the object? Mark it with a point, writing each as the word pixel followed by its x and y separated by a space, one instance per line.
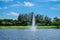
pixel 26 19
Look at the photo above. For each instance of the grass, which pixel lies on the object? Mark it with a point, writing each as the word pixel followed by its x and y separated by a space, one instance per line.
pixel 14 27
pixel 46 27
pixel 26 27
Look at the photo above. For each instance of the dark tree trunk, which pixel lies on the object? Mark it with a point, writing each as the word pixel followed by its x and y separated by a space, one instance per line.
pixel 57 26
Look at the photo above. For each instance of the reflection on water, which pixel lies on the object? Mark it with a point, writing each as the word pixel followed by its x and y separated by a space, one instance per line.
pixel 20 34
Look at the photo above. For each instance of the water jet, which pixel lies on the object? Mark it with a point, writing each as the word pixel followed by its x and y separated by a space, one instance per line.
pixel 33 27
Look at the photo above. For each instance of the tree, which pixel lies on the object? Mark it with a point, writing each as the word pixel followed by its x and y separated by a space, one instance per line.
pixel 56 22
pixel 0 22
pixel 47 20
pixel 39 19
pixel 22 19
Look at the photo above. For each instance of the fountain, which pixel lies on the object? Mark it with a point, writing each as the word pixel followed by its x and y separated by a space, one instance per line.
pixel 33 27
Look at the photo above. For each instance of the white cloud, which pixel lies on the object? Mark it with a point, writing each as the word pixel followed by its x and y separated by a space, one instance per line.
pixel 53 0
pixel 14 5
pixel 48 0
pixel 0 7
pixel 28 4
pixel 18 2
pixel 6 0
pixel 13 14
pixel 3 7
pixel 6 7
pixel 56 7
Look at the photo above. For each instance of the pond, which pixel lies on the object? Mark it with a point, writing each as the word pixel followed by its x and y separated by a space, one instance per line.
pixel 21 34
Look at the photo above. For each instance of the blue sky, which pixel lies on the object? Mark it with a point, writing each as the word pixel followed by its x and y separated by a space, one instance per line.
pixel 12 8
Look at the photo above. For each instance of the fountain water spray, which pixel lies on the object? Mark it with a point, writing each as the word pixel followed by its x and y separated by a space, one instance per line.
pixel 33 27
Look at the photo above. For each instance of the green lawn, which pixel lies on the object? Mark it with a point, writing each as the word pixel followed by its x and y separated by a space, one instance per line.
pixel 26 27
pixel 46 27
pixel 14 27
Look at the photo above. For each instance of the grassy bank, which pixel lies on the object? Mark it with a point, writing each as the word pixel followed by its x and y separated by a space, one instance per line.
pixel 26 27
pixel 14 27
pixel 46 27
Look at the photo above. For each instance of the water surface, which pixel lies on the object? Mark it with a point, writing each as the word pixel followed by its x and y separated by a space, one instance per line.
pixel 21 34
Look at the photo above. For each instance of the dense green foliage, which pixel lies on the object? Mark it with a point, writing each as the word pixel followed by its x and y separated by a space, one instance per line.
pixel 56 22
pixel 26 19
